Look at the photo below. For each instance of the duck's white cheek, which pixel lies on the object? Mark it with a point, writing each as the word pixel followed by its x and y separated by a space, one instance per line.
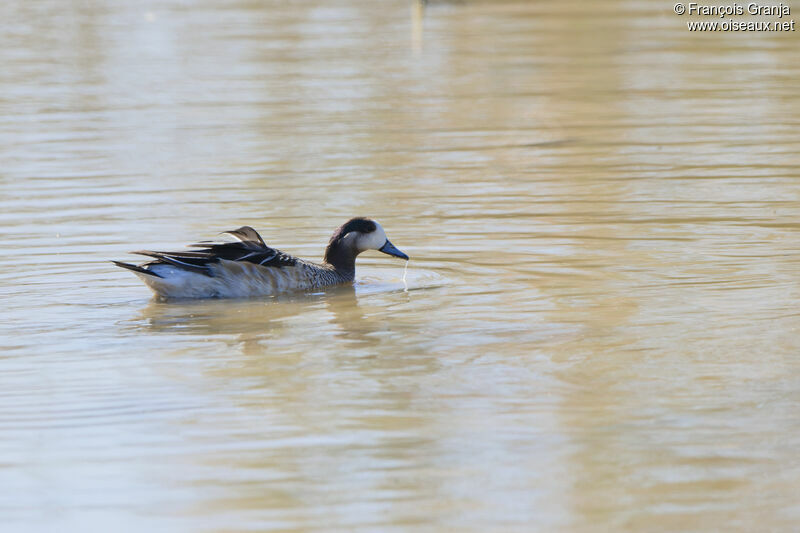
pixel 372 241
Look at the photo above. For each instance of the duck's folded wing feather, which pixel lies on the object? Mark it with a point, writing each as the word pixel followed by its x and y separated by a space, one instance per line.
pixel 250 248
pixel 247 236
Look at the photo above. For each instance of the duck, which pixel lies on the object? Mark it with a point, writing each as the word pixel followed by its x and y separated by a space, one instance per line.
pixel 246 267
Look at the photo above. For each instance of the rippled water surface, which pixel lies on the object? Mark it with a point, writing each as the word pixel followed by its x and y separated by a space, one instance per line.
pixel 599 326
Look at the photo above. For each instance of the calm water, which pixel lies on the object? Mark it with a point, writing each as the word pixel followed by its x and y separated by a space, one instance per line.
pixel 598 331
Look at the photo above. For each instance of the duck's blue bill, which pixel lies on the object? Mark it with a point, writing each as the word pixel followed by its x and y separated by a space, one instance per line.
pixel 389 248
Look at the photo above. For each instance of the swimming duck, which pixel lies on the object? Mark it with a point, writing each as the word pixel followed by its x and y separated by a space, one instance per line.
pixel 248 267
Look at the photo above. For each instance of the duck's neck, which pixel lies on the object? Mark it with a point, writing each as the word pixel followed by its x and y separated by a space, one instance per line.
pixel 341 258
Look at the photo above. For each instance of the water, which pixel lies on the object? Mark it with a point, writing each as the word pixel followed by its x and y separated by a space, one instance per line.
pixel 598 330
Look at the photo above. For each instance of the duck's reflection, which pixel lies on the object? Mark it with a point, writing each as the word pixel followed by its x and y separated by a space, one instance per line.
pixel 252 324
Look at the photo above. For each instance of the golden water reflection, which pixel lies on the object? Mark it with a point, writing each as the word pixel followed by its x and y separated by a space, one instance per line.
pixel 599 327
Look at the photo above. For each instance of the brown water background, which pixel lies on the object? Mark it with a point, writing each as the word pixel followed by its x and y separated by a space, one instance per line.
pixel 599 327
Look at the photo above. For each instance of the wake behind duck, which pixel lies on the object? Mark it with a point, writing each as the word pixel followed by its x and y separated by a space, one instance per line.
pixel 248 267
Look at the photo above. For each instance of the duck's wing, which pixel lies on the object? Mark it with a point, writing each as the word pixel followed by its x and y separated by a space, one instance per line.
pixel 249 248
pixel 247 236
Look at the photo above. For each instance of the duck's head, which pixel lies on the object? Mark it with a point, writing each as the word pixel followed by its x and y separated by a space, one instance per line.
pixel 355 236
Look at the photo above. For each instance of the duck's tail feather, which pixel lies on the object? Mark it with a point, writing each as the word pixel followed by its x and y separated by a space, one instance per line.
pixel 192 261
pixel 136 268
